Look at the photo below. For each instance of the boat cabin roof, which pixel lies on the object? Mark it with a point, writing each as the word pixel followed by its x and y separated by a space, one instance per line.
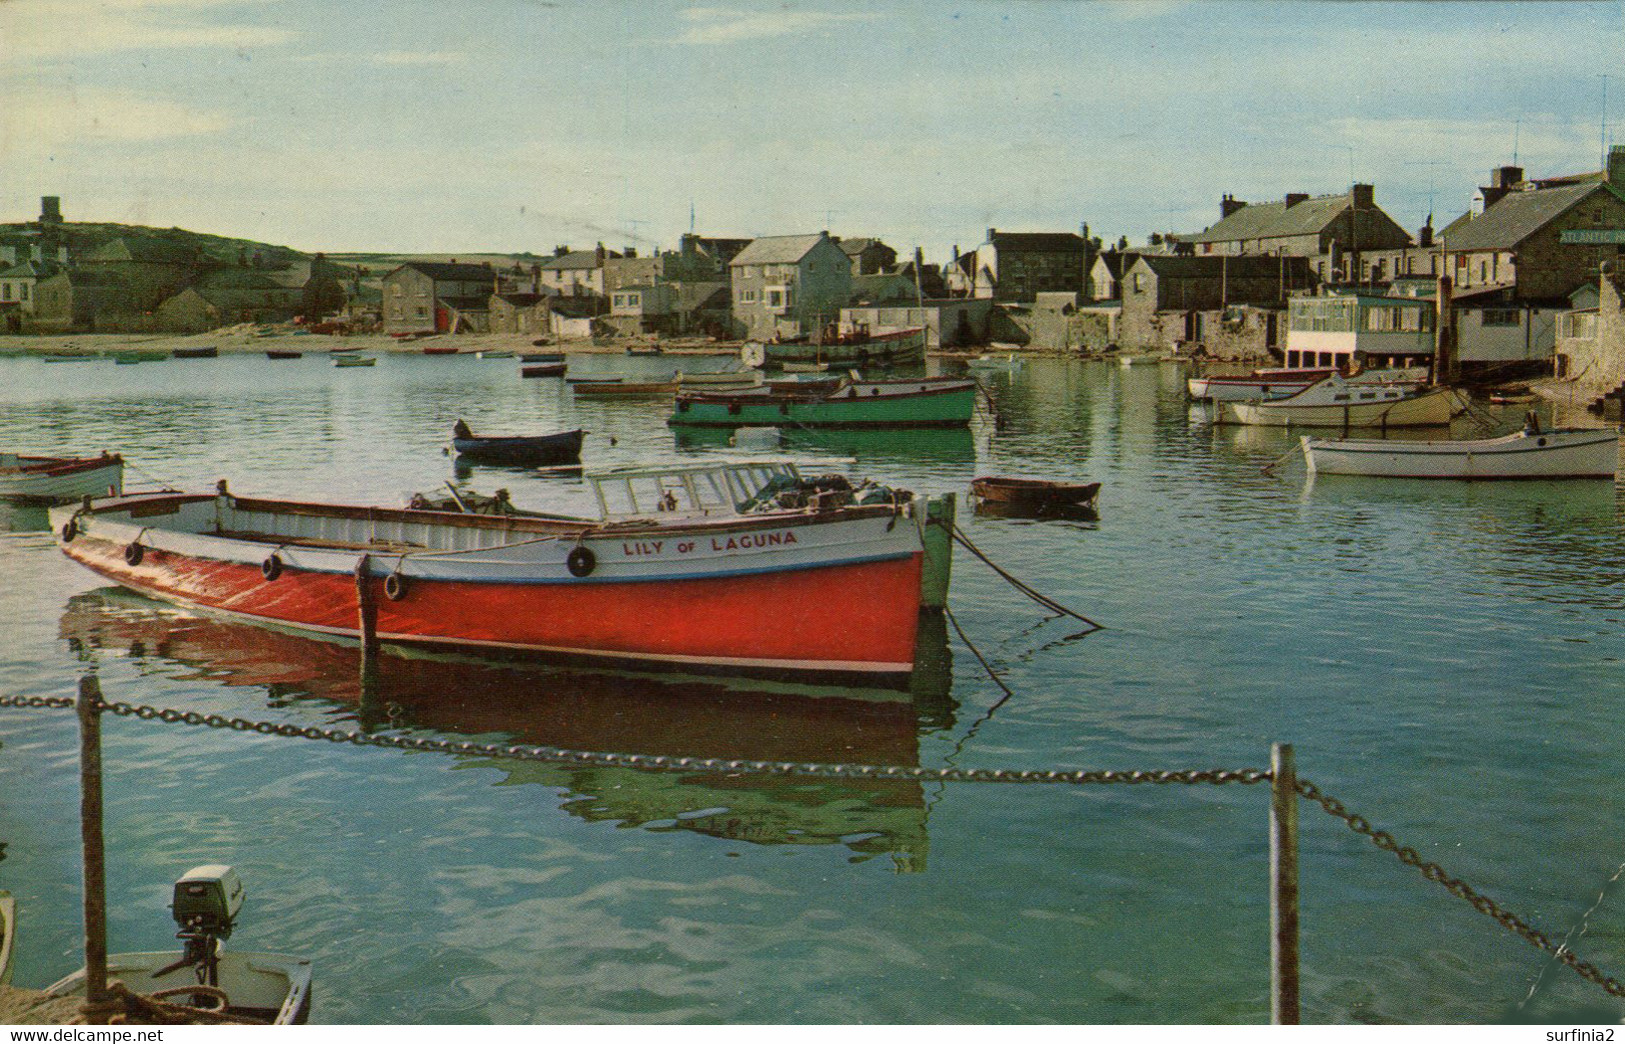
pixel 698 489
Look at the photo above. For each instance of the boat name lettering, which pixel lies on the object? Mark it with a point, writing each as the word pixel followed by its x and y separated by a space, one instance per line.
pixel 745 542
pixel 750 540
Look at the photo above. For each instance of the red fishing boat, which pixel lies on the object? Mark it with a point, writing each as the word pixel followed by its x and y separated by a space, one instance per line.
pixel 735 567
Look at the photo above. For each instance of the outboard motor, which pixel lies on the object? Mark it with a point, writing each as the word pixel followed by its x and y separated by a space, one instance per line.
pixel 207 901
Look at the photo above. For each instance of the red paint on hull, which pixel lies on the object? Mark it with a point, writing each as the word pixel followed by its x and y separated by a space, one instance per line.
pixel 822 618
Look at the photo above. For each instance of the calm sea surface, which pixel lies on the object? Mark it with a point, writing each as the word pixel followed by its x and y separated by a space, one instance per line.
pixel 1445 657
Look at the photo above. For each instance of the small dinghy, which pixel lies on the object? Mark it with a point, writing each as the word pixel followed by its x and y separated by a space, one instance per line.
pixel 354 360
pixel 60 480
pixel 207 351
pixel 542 357
pixel 1035 495
pixel 562 447
pixel 551 369
pixel 283 355
pixel 8 934
pixel 270 988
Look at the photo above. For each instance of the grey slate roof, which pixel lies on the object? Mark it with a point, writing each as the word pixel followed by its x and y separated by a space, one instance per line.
pixel 1213 265
pixel 1044 242
pixel 31 269
pixel 575 260
pixel 1516 216
pixel 446 271
pixel 777 250
pixel 1273 220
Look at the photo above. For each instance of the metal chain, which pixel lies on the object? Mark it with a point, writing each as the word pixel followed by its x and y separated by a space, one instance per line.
pixel 885 773
pixel 798 769
pixel 1461 889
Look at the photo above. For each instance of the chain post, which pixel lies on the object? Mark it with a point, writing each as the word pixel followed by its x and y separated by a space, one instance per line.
pixel 93 849
pixel 1283 886
pixel 366 613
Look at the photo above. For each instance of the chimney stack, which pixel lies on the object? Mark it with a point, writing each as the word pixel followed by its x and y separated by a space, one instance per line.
pixel 990 233
pixel 1228 205
pixel 598 254
pixel 560 251
pixel 50 210
pixel 1616 167
pixel 1294 198
pixel 1424 237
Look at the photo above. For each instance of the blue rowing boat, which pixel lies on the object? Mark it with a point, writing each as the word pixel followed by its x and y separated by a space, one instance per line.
pixel 562 447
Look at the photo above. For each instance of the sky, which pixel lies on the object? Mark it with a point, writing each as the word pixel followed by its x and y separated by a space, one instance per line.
pixel 521 125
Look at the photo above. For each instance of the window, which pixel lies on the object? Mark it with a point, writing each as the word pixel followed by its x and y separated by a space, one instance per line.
pixel 397 290
pixel 5 292
pixel 775 298
pixel 22 291
pixel 747 296
pixel 1501 317
pixel 1139 282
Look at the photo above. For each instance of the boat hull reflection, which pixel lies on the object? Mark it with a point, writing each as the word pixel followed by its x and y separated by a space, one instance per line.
pixel 592 710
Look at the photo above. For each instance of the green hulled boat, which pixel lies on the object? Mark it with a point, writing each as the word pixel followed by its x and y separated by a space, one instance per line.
pixel 929 402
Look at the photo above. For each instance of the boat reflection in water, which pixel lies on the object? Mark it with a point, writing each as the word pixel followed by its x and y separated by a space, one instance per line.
pixel 902 444
pixel 1065 512
pixel 24 518
pixel 592 710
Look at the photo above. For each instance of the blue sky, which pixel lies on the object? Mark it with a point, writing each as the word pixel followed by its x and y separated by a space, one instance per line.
pixel 511 125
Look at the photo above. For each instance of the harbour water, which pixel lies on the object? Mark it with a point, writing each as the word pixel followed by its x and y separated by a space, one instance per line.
pixel 1445 657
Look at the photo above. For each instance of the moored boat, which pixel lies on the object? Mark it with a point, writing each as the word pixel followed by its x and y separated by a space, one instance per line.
pixel 563 447
pixel 542 370
pixel 1336 402
pixel 493 355
pixel 927 402
pixel 8 935
pixel 856 347
pixel 355 360
pixel 1562 453
pixel 283 355
pixel 542 357
pixel 717 378
pixel 440 349
pixel 611 386
pixel 207 351
pixel 1035 495
pixel 60 479
pixel 1259 384
pixel 1006 362
pixel 131 357
pixel 268 988
pixel 731 567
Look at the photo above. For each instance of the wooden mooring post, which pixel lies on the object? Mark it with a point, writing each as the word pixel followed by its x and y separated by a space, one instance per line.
pixel 1283 886
pixel 93 849
pixel 366 610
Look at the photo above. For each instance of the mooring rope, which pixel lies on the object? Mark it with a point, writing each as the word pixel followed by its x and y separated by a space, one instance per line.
pixel 1037 596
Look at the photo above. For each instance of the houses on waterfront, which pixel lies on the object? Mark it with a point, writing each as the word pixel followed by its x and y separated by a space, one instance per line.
pixel 1524 282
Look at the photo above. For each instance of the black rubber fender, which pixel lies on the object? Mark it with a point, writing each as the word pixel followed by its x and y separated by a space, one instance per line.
pixel 394 587
pixel 581 561
pixel 133 553
pixel 70 529
pixel 271 568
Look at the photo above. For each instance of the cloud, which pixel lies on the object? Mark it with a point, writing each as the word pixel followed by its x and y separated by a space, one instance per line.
pixel 721 25
pixel 419 58
pixel 51 122
pixel 57 28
